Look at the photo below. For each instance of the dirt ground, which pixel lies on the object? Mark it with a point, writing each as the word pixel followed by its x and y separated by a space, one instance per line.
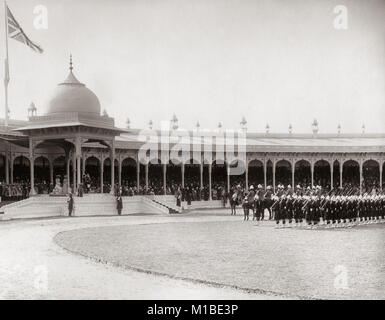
pixel 33 266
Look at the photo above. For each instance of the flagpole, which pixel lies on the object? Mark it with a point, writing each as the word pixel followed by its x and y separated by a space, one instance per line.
pixel 6 66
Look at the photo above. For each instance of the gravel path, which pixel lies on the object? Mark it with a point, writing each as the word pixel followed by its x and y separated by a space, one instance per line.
pixel 32 266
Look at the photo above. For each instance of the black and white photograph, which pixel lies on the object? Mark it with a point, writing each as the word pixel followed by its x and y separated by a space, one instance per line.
pixel 192 150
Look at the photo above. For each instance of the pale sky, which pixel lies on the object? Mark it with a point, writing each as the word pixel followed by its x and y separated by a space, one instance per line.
pixel 273 61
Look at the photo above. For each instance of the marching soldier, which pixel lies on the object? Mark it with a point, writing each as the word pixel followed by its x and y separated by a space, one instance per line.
pixel 297 210
pixel 268 202
pixel 289 191
pixel 289 209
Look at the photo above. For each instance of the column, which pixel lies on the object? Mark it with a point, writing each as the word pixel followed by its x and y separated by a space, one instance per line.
pixel 228 177
pixel 146 177
pixel 120 172
pixel 32 168
pixel 74 170
pixel 331 175
pixel 182 172
pixel 101 174
pixel 164 167
pixel 10 168
pixel 274 176
pixel 201 174
pixel 112 158
pixel 78 164
pixel 51 171
pixel 83 166
pixel 341 169
pixel 68 169
pixel 247 177
pixel 7 168
pixel 210 169
pixel 293 175
pixel 138 174
pixel 32 176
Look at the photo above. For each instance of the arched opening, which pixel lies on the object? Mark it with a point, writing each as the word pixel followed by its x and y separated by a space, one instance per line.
pixel 255 173
pixel 192 173
pixel 59 168
pixel 336 174
pixel 192 179
pixel 2 168
pixel 155 177
pixel 142 178
pixel 21 170
pixel 173 176
pixel 351 175
pixel 237 174
pixel 371 176
pixel 283 173
pixel 218 179
pixel 302 174
pixel 322 174
pixel 269 173
pixel 107 174
pixel 383 176
pixel 91 180
pixel 129 173
pixel 42 175
pixel 206 191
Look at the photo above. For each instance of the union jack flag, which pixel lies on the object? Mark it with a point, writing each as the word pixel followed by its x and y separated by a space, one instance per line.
pixel 17 33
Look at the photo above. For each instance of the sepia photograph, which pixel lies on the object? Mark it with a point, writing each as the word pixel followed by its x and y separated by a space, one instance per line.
pixel 192 150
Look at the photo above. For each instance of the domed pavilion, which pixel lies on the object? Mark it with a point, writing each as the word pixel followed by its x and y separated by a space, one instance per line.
pixel 72 119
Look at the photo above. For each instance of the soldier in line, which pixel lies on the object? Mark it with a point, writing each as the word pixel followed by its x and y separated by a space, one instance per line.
pixel 279 211
pixel 298 213
pixel 268 202
pixel 314 208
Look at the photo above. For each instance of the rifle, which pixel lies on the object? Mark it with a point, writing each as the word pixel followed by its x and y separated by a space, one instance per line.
pixel 276 202
pixel 305 205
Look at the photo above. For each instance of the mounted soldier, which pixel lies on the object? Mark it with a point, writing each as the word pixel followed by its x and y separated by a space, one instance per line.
pixel 260 196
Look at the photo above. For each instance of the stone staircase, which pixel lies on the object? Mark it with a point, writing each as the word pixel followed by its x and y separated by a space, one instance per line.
pixel 168 202
pixel 89 205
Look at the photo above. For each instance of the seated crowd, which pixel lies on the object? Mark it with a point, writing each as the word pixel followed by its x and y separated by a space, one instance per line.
pixel 191 192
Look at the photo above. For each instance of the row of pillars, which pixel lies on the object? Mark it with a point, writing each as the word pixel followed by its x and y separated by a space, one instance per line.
pixel 76 161
pixel 312 175
pixel 76 179
pixel 164 167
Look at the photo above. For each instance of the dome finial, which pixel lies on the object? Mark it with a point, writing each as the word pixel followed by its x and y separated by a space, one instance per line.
pixel 71 67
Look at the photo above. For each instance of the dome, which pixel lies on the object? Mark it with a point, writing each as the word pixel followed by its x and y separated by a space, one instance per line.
pixel 73 96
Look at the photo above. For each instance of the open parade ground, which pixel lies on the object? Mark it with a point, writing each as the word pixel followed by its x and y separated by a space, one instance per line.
pixel 206 254
pixel 130 132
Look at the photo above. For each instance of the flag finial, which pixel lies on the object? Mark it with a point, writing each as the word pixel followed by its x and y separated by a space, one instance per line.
pixel 71 67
